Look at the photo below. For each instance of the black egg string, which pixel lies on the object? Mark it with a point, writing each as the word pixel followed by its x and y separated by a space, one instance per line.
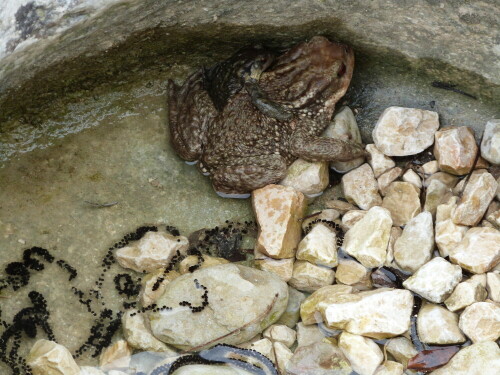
pixel 333 225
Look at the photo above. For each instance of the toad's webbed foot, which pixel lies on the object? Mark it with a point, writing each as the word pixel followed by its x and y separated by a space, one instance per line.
pixel 315 148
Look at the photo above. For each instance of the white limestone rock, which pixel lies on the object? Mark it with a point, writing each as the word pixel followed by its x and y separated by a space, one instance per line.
pixel 310 277
pixel 153 285
pixel 238 297
pixel 283 355
pixel 151 252
pixel 193 260
pixel 323 296
pixel 481 321
pixel 378 161
pixel 283 268
pixel 387 178
pixel 139 336
pixel 448 234
pixel 318 358
pixel 401 349
pixel 493 286
pixel 367 240
pixel 413 178
pixel 49 358
pixel 414 248
pixel 402 199
pixel 326 214
pixel 476 198
pixel 490 146
pixel 88 370
pixel 390 368
pixel 345 128
pixel 430 167
pixel 455 149
pixel 466 293
pixel 396 232
pixel 319 247
pixel 352 217
pixel 291 315
pixel 364 355
pixel 350 272
pixel 264 346
pixel 116 355
pixel 379 313
pixel 340 206
pixel 405 131
pixel 437 325
pixel 435 280
pixel 361 188
pixel 280 333
pixel 479 251
pixel 478 359
pixel 448 179
pixel 278 210
pixel 310 178
pixel 308 334
pixel 436 194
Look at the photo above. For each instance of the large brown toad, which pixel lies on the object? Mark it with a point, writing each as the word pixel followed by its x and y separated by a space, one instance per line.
pixel 242 146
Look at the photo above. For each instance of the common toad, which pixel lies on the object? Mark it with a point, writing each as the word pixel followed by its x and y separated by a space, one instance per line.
pixel 241 146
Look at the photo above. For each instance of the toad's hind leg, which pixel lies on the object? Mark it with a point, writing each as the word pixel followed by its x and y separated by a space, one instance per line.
pixel 246 174
pixel 190 111
pixel 315 148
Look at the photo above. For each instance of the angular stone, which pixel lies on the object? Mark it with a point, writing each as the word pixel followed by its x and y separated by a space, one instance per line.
pixel 278 210
pixel 352 217
pixel 326 214
pixel 243 301
pixel 139 336
pixel 436 325
pixel 448 234
pixel 345 128
pixel 192 260
pixel 490 146
pixel 308 334
pixel 378 161
pixel 448 179
pixel 481 321
pixel 292 313
pixel 465 294
pixel 281 333
pixel 476 198
pixel 493 286
pixel 264 346
pixel 283 356
pixel 396 232
pixel 477 359
pixel 116 355
pixel 49 358
pixel 436 194
pixel 414 248
pixel 386 179
pixel 405 131
pixel 380 313
pixel 310 178
pixel 390 368
pixel 430 167
pixel 87 370
pixel 479 251
pixel 361 188
pixel 319 247
pixel 340 206
pixel 363 354
pixel 413 178
pixel 455 149
pixel 310 277
pixel 323 296
pixel 367 240
pixel 350 272
pixel 283 268
pixel 151 252
pixel 154 284
pixel 435 280
pixel 402 199
pixel 401 349
pixel 319 358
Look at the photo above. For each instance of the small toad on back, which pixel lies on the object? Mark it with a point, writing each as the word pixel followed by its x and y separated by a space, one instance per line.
pixel 244 145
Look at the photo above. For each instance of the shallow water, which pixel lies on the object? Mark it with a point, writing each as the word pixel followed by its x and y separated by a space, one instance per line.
pixel 113 147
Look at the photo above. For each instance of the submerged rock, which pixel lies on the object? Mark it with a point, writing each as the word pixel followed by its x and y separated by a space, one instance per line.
pixel 278 210
pixel 49 358
pixel 405 131
pixel 242 302
pixel 379 313
pixel 361 188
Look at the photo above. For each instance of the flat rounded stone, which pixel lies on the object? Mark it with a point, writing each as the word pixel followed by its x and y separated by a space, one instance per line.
pixel 242 302
pixel 490 146
pixel 405 131
pixel 455 149
pixel 481 321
